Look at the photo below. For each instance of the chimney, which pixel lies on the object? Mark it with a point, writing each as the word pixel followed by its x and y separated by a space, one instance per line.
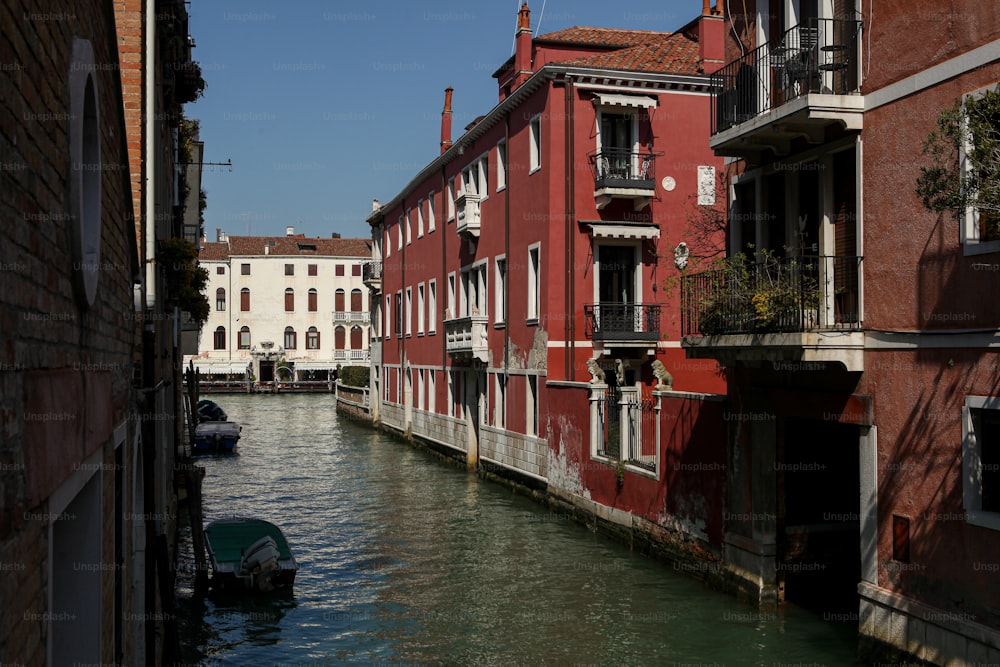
pixel 335 235
pixel 711 37
pixel 445 127
pixel 522 52
pixel 289 231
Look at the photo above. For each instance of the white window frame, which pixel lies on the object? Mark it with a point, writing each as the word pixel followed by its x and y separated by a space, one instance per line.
pixel 408 312
pixel 450 196
pixel 431 390
pixel 420 309
pixel 499 290
pixel 399 234
pixel 533 304
pixel 531 404
pixel 388 316
pixel 501 165
pixel 420 218
pixel 420 389
pixel 388 242
pixel 451 306
pixel 972 489
pixel 430 212
pixel 409 228
pixel 499 400
pixel 535 143
pixel 432 306
pixel 969 227
pixel 479 275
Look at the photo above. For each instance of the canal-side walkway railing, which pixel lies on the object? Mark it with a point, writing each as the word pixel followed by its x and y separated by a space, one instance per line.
pixel 354 402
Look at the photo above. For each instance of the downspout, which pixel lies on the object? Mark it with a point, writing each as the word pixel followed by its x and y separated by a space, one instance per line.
pixel 506 253
pixel 570 214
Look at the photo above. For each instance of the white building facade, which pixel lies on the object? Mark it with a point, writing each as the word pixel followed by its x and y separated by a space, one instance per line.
pixel 283 307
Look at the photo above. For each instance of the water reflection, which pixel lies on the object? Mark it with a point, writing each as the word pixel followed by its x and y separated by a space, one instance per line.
pixel 403 558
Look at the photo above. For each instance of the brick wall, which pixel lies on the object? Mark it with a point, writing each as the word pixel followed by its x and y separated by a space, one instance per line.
pixel 65 370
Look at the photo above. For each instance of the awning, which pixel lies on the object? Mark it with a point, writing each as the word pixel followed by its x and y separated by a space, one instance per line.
pixel 221 368
pixel 616 100
pixel 623 230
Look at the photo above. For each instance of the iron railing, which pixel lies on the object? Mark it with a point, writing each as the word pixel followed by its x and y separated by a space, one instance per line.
pixel 622 168
pixel 371 272
pixel 622 321
pixel 793 294
pixel 627 428
pixel 820 56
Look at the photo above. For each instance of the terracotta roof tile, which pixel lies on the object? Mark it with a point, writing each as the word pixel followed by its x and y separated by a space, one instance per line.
pixel 602 36
pixel 286 246
pixel 669 54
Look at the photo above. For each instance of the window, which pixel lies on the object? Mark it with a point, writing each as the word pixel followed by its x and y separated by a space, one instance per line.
pixel 356 270
pixel 245 338
pixel 312 339
pixel 500 401
pixel 357 337
pixel 289 300
pixel 420 389
pixel 339 338
pixel 289 269
pixel 220 270
pixel 500 290
pixel 981 461
pixel 431 391
pixel 387 245
pixel 450 196
pixel 399 313
pixel 245 299
pixel 531 427
pixel 244 269
pixel 535 139
pixel 451 308
pixel 430 213
pixel 980 131
pixel 312 269
pixel 313 300
pixel 432 306
pixel 289 338
pixel 220 338
pixel 357 301
pixel 388 315
pixel 420 309
pixel 501 165
pixel 409 311
pixel 420 218
pixel 409 230
pixel 474 290
pixel 399 234
pixel 338 270
pixel 338 301
pixel 220 299
pixel 534 282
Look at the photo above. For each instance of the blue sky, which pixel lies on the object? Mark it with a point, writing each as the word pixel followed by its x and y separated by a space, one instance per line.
pixel 324 104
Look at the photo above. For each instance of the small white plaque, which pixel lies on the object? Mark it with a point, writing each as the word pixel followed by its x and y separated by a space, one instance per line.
pixel 668 183
pixel 706 186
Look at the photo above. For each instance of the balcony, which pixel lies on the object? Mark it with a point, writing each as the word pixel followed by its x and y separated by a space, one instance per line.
pixel 467 215
pixel 799 309
pixel 354 357
pixel 623 174
pixel 622 324
pixel 371 275
pixel 805 85
pixel 344 316
pixel 465 338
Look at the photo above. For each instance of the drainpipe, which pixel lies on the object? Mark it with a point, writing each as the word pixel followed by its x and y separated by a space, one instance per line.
pixel 506 252
pixel 570 213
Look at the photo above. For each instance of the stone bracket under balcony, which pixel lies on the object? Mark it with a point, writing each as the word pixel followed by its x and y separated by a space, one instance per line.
pixel 846 348
pixel 808 117
pixel 466 338
pixel 467 217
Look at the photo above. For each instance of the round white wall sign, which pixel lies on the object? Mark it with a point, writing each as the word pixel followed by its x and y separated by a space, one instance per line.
pixel 668 183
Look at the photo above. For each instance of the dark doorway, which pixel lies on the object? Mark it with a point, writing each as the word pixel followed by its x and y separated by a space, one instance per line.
pixel 819 524
pixel 616 283
pixel 266 371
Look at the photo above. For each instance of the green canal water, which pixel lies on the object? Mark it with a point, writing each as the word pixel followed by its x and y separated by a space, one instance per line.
pixel 405 560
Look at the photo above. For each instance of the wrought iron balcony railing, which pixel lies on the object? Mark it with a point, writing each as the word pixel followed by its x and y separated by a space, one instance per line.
pixel 781 295
pixel 622 321
pixel 371 272
pixel 622 168
pixel 820 56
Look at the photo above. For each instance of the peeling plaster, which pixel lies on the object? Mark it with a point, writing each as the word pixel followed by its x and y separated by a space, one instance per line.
pixel 538 355
pixel 562 474
pixel 687 507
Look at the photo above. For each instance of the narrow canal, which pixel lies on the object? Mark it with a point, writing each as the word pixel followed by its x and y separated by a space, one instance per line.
pixel 407 560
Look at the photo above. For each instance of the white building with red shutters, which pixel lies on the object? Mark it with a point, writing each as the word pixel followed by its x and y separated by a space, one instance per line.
pixel 282 302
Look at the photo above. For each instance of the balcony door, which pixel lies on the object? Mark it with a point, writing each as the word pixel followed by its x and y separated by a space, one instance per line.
pixel 617 144
pixel 617 290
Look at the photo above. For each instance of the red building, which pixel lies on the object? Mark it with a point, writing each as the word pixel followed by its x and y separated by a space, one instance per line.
pixel 518 281
pixel 861 346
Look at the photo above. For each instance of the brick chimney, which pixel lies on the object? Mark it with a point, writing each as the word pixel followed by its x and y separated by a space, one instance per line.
pixel 522 48
pixel 445 121
pixel 712 36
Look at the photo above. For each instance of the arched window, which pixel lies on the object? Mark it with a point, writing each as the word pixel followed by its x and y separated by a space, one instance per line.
pixel 338 301
pixel 356 299
pixel 313 298
pixel 220 298
pixel 356 337
pixel 220 338
pixel 245 299
pixel 245 338
pixel 338 338
pixel 312 339
pixel 289 338
pixel 289 300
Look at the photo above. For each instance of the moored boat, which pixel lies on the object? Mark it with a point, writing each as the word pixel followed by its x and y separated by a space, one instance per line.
pixel 251 554
pixel 215 437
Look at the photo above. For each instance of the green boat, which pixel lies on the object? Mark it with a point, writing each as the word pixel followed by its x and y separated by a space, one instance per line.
pixel 251 554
